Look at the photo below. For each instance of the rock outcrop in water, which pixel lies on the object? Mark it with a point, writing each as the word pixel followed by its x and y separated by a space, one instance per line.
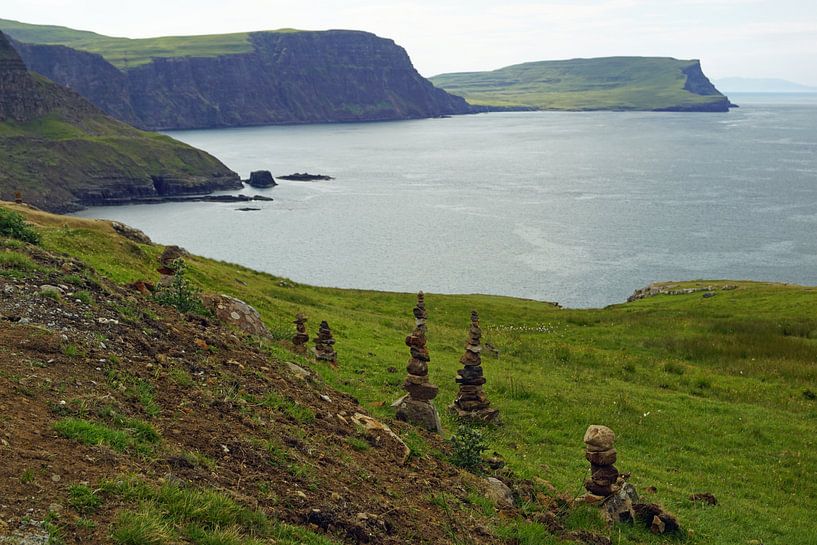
pixel 60 152
pixel 261 178
pixel 282 77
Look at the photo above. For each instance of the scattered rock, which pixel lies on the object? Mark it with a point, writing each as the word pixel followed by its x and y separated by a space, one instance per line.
pixel 499 493
pixel 298 371
pixel 131 233
pixel 375 426
pixel 50 291
pixel 236 313
pixel 647 513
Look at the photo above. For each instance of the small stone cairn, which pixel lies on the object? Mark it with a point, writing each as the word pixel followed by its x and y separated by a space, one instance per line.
pixel 599 451
pixel 324 345
pixel 301 336
pixel 471 402
pixel 609 489
pixel 416 407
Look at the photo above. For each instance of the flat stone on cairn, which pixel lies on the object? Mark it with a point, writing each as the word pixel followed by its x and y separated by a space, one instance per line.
pixel 301 336
pixel 416 407
pixel 324 350
pixel 471 402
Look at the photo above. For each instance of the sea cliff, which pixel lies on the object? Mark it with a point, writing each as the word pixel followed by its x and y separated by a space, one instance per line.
pixel 283 77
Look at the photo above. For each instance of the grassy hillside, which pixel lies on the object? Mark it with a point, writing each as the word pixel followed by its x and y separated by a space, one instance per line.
pixel 613 83
pixel 126 52
pixel 714 394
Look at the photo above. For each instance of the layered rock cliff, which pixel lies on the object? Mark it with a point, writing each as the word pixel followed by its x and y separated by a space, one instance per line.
pixel 62 153
pixel 285 77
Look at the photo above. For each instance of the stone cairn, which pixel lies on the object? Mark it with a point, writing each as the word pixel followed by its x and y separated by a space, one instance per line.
pixel 415 407
pixel 609 489
pixel 471 402
pixel 301 336
pixel 324 349
pixel 599 451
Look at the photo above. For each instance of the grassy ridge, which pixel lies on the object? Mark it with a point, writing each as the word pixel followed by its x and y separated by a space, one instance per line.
pixel 126 52
pixel 614 83
pixel 706 394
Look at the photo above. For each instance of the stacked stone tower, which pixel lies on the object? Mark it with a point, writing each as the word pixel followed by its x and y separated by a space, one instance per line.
pixel 471 402
pixel 416 407
pixel 600 452
pixel 324 345
pixel 301 336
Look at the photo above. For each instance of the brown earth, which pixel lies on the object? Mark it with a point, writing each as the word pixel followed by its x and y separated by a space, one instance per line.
pixel 61 357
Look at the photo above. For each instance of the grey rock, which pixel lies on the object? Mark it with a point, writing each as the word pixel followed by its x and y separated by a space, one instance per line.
pixel 420 413
pixel 499 493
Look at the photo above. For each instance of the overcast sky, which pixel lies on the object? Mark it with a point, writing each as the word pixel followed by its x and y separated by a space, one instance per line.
pixel 752 38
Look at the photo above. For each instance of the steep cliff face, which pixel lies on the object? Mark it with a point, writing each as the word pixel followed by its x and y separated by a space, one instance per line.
pixel 61 152
pixel 698 84
pixel 286 77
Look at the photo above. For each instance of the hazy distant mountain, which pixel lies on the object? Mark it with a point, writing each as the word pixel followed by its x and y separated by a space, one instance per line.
pixel 762 85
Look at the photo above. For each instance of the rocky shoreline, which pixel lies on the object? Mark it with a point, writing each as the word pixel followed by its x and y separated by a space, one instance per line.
pixel 178 198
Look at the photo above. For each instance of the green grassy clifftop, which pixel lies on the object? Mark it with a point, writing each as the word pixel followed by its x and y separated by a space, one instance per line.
pixel 62 153
pixel 613 83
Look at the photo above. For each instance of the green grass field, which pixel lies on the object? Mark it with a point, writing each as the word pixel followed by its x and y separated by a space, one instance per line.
pixel 706 394
pixel 126 52
pixel 613 83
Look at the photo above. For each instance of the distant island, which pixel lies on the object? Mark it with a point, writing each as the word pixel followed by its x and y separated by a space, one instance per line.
pixel 242 79
pixel 762 85
pixel 611 83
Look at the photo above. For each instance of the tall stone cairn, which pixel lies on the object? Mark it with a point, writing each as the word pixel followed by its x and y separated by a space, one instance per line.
pixel 301 336
pixel 324 345
pixel 415 407
pixel 600 452
pixel 471 402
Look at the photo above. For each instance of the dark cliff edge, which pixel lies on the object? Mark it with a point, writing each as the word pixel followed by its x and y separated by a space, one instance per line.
pixel 62 153
pixel 697 83
pixel 286 78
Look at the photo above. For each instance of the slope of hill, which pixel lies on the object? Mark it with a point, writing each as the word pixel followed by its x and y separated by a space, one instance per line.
pixel 707 393
pixel 254 78
pixel 61 152
pixel 613 83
